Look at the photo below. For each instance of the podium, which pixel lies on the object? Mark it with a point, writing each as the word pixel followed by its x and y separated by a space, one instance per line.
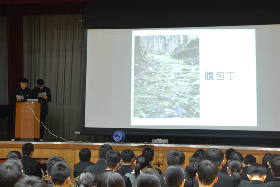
pixel 26 125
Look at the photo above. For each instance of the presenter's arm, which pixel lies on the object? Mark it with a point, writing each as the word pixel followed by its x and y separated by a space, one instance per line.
pixel 49 97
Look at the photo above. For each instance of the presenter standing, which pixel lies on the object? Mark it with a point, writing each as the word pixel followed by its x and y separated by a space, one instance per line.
pixel 43 94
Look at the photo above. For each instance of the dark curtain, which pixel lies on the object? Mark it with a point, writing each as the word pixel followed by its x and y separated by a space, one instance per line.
pixel 3 61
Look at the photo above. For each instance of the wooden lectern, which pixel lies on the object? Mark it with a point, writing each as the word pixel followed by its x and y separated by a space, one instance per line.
pixel 26 125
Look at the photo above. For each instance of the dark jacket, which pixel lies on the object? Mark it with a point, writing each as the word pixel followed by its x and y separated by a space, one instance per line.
pixel 244 174
pixel 98 168
pixel 269 176
pixel 224 168
pixel 80 168
pixel 254 183
pixel 31 167
pixel 274 183
pixel 44 104
pixel 224 180
pixel 125 169
pixel 150 166
pixel 27 94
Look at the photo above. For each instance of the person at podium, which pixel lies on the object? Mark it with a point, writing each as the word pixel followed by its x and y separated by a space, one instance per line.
pixel 43 94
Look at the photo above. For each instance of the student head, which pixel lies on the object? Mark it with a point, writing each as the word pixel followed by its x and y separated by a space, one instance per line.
pixel 229 152
pixel 148 179
pixel 174 176
pixel 16 162
pixel 60 174
pixel 207 173
pixel 87 179
pixel 113 159
pixel 149 152
pixel 40 83
pixel 110 179
pixel 23 82
pixel 14 154
pixel 256 172
pixel 103 149
pixel 175 157
pixel 265 160
pixel 51 161
pixel 196 158
pixel 200 152
pixel 31 181
pixel 27 149
pixel 127 156
pixel 85 155
pixel 271 157
pixel 249 159
pixel 215 155
pixel 236 156
pixel 234 169
pixel 141 163
pixel 275 166
pixel 191 170
pixel 9 174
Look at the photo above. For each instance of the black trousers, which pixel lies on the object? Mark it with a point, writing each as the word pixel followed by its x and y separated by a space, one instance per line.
pixel 42 129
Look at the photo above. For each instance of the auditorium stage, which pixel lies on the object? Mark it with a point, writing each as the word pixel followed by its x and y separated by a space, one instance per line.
pixel 70 150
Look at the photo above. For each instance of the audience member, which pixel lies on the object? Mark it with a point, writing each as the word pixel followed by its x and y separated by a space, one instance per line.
pixel 87 179
pixel 248 160
pixel 110 179
pixel 149 152
pixel 148 179
pixel 30 166
pixel 236 156
pixel 31 181
pixel 191 171
pixel 196 158
pixel 227 155
pixel 269 176
pixel 265 160
pixel 127 158
pixel 275 169
pixel 60 174
pixel 256 174
pixel 99 167
pixel 174 176
pixel 14 154
pixel 207 172
pixel 234 169
pixel 217 156
pixel 10 173
pixel 200 152
pixel 141 163
pixel 50 162
pixel 16 162
pixel 84 156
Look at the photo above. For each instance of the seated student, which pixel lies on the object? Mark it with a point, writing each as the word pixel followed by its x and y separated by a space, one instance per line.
pixel 207 172
pixel 269 176
pixel 174 176
pixel 141 163
pixel 87 179
pixel 31 181
pixel 256 174
pixel 14 154
pixel 30 166
pixel 196 158
pixel 227 155
pixel 60 174
pixel 84 156
pixel 200 152
pixel 99 167
pixel 17 162
pixel 234 169
pixel 50 162
pixel 9 174
pixel 190 171
pixel 248 160
pixel 265 160
pixel 217 156
pixel 110 179
pixel 275 169
pixel 127 158
pixel 149 152
pixel 148 179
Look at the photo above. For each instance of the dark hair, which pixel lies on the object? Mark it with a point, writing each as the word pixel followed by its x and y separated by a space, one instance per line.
pixel 175 157
pixel 207 172
pixel 275 166
pixel 151 171
pixel 215 155
pixel 85 155
pixel 147 179
pixel 9 174
pixel 14 154
pixel 103 149
pixel 31 181
pixel 40 82
pixel 112 158
pixel 196 158
pixel 51 161
pixel 149 152
pixel 127 155
pixel 249 159
pixel 16 162
pixel 200 152
pixel 265 159
pixel 87 179
pixel 23 80
pixel 191 170
pixel 141 162
pixel 60 172
pixel 256 170
pixel 236 156
pixel 174 176
pixel 271 157
pixel 229 152
pixel 235 166
pixel 27 148
pixel 110 179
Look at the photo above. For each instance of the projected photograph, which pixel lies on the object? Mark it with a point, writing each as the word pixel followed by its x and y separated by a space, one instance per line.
pixel 166 76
